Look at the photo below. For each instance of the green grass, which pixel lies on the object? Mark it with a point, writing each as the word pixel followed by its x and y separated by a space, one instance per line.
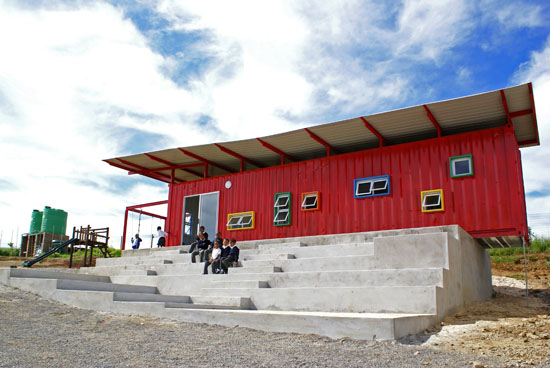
pixel 537 246
pixel 503 259
pixel 8 252
pixel 518 277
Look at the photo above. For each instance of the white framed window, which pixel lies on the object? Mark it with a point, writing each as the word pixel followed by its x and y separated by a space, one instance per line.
pixel 461 166
pixel 310 201
pixel 371 187
pixel 432 200
pixel 241 221
pixel 281 209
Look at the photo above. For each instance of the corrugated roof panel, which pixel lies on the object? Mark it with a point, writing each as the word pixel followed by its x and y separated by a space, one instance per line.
pixel 458 115
pixel 346 134
pixel 523 126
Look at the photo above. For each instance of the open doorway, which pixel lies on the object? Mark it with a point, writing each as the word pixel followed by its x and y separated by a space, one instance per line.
pixel 200 210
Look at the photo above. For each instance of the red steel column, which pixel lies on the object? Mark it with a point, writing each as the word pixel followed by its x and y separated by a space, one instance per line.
pixel 124 229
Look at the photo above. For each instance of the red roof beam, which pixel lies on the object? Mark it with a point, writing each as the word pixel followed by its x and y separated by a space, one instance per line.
pixel 322 141
pixel 368 125
pixel 158 159
pixel 515 114
pixel 277 151
pixel 203 160
pixel 150 204
pixel 239 156
pixel 152 176
pixel 147 213
pixel 433 120
pixel 505 104
pixel 530 85
pixel 175 167
pixel 125 162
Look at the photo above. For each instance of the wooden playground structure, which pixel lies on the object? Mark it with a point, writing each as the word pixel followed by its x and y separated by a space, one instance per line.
pixel 89 238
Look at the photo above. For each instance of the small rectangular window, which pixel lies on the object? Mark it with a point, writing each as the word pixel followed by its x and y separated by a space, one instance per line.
pixel 461 166
pixel 432 200
pixel 281 209
pixel 371 187
pixel 241 221
pixel 310 201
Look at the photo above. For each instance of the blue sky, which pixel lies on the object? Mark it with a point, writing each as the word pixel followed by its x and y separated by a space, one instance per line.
pixel 88 80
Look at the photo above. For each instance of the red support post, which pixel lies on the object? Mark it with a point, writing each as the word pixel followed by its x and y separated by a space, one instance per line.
pixel 505 104
pixel 322 141
pixel 123 244
pixel 205 161
pixel 277 151
pixel 239 156
pixel 433 120
pixel 381 139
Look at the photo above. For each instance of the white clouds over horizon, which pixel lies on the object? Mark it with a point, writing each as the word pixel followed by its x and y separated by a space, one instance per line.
pixel 81 82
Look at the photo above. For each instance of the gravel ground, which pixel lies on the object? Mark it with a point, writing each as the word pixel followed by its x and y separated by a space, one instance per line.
pixel 35 332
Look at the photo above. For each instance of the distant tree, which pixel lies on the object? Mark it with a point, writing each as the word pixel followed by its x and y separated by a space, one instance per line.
pixel 10 244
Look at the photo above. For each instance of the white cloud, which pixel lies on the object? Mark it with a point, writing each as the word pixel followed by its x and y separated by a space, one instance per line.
pixel 535 159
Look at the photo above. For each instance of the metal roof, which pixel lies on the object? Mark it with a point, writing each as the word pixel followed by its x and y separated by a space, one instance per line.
pixel 513 105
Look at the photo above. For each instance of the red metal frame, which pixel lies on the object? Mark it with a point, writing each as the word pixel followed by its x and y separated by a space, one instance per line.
pixel 505 104
pixel 239 156
pixel 322 141
pixel 277 151
pixel 134 208
pixel 368 125
pixel 160 177
pixel 206 161
pixel 162 161
pixel 433 120
pixel 535 124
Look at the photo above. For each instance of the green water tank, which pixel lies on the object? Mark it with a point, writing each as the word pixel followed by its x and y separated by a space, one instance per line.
pixel 36 222
pixel 54 221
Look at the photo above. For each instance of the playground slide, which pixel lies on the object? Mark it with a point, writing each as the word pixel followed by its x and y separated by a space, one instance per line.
pixel 29 263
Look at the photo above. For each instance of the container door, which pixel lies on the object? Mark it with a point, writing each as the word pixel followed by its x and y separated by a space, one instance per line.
pixel 208 213
pixel 200 210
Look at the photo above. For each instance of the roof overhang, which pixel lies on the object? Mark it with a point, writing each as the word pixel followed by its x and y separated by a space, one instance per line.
pixel 510 106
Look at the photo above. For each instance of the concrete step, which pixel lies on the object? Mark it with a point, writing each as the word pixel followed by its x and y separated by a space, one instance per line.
pixel 201 306
pixel 149 260
pixel 313 251
pixel 248 284
pixel 141 297
pixel 234 301
pixel 149 251
pixel 46 274
pixel 366 326
pixel 375 299
pixel 262 257
pixel 252 269
pixel 104 286
pixel 286 245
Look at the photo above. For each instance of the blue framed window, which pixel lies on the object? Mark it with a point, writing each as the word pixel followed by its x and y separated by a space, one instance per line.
pixel 371 187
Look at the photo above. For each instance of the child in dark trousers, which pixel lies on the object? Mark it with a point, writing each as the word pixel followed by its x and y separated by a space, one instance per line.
pixel 233 258
pixel 215 255
pixel 217 265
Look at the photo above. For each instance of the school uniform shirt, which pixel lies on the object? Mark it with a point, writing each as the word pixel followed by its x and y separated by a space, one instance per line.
pixel 216 252
pixel 161 234
pixel 234 253
pixel 225 251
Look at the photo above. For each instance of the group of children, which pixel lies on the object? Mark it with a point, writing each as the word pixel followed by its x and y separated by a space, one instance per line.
pixel 219 254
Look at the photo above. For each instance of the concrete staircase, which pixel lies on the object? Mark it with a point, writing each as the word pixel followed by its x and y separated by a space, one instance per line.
pixel 375 285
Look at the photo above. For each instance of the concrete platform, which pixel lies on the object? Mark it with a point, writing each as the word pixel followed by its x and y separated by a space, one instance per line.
pixel 381 285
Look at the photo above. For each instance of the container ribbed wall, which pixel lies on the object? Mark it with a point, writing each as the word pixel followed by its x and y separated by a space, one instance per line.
pixel 490 203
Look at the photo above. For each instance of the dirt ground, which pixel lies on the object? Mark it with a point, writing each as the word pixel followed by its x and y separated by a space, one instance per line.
pixel 507 326
pixel 47 263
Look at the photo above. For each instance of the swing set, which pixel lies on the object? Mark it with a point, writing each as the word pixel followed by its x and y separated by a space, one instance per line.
pixel 138 208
